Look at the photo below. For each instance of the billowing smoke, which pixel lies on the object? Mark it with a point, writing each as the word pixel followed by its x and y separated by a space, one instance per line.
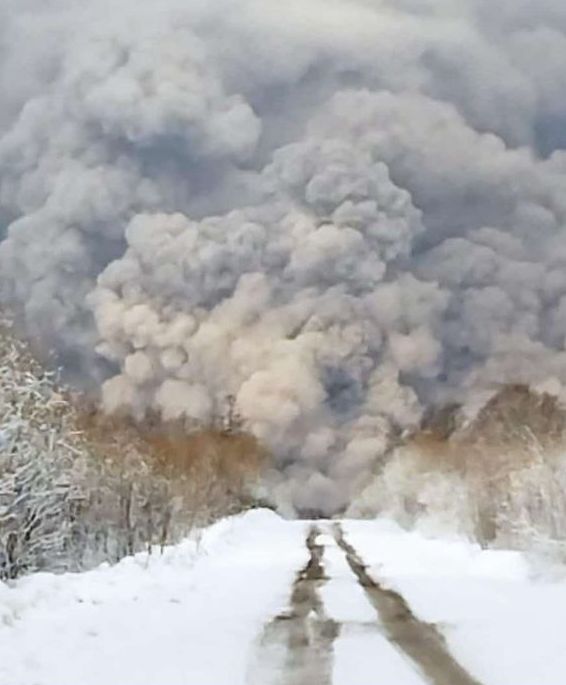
pixel 338 213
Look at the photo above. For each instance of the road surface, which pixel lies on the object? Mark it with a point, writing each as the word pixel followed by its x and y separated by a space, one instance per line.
pixel 257 600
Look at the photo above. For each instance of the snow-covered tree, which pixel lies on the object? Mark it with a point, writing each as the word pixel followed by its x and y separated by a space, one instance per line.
pixel 75 491
pixel 39 454
pixel 66 500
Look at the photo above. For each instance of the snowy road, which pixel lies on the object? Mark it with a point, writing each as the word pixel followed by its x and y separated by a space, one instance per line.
pixel 326 598
pixel 262 601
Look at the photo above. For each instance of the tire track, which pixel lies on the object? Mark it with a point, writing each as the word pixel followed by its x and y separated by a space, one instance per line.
pixel 305 631
pixel 420 641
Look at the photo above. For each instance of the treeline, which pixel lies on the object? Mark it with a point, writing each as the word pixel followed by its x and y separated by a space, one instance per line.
pixel 498 477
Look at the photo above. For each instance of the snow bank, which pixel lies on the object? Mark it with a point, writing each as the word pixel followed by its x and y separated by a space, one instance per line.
pixel 160 619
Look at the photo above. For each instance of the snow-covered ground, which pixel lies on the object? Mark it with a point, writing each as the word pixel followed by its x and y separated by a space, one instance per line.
pixel 201 613
pixel 188 618
pixel 362 654
pixel 504 626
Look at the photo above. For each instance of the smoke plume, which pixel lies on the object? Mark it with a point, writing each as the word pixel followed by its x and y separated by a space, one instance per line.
pixel 338 213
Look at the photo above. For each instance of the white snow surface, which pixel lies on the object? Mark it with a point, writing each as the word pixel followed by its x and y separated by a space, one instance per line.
pixel 502 624
pixel 196 614
pixel 362 654
pixel 187 618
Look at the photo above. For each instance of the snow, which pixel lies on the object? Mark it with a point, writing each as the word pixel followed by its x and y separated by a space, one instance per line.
pixel 342 595
pixel 504 626
pixel 363 657
pixel 190 616
pixel 198 614
pixel 361 645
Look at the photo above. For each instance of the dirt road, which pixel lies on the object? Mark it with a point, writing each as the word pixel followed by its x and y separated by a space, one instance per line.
pixel 298 646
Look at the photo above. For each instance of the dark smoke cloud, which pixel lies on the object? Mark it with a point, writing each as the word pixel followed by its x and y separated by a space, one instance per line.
pixel 339 213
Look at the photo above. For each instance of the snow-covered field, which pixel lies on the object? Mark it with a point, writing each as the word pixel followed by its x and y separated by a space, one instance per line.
pixel 201 613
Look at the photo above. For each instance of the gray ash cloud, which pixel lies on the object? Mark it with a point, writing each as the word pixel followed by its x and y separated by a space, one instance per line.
pixel 339 213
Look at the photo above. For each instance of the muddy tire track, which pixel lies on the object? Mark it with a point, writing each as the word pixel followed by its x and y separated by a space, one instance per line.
pixel 305 632
pixel 420 641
